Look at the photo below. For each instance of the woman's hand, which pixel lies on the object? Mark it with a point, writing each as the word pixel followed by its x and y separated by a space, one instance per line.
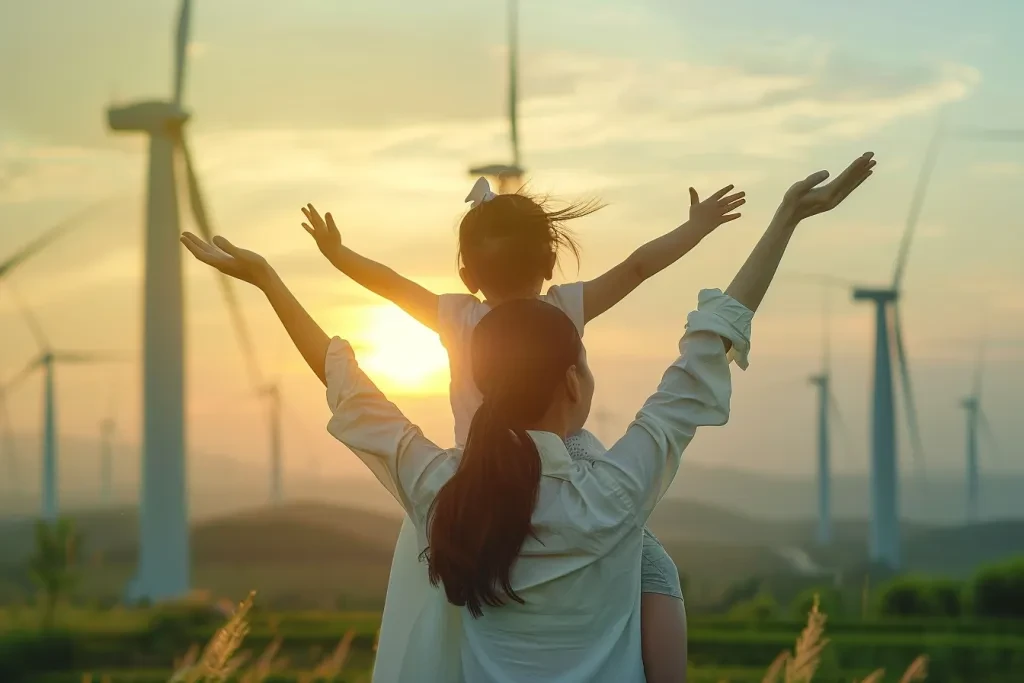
pixel 240 264
pixel 326 233
pixel 804 199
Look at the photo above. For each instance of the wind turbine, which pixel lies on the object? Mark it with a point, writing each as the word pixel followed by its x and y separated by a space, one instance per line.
pixel 884 540
pixel 509 175
pixel 827 406
pixel 976 421
pixel 163 568
pixel 47 360
pixel 108 426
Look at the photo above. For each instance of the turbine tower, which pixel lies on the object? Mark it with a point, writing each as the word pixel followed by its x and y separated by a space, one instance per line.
pixel 7 449
pixel 47 361
pixel 509 175
pixel 884 541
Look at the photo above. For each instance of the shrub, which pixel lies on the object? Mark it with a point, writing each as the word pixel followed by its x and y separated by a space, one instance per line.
pixel 998 590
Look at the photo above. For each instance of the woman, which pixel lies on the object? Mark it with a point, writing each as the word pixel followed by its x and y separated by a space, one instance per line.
pixel 541 554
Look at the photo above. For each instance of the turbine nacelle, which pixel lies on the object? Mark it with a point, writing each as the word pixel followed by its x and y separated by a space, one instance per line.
pixel 970 404
pixel 880 296
pixel 151 116
pixel 818 380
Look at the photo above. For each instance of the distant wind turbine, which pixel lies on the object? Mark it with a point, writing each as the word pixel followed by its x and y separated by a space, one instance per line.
pixel 885 517
pixel 827 407
pixel 976 422
pixel 108 427
pixel 509 175
pixel 47 360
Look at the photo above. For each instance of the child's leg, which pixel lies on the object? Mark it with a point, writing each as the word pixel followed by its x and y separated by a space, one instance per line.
pixel 662 615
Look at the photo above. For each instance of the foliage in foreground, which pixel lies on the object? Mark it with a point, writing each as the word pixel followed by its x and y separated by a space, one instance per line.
pixel 222 659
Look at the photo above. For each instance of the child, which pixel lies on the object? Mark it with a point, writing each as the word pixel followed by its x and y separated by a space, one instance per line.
pixel 508 247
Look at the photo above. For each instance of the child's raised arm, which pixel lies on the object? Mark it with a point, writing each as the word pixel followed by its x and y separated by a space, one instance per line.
pixel 412 298
pixel 603 292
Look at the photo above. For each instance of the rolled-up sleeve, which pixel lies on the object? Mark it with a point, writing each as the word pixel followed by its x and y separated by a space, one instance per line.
pixel 695 391
pixel 393 448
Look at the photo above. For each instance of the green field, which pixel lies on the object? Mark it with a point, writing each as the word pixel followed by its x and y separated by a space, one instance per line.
pixel 142 645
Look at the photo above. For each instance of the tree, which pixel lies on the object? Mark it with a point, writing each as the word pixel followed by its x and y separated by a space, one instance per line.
pixel 998 590
pixel 53 564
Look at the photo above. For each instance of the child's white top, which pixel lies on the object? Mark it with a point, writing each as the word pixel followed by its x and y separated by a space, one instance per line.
pixel 457 315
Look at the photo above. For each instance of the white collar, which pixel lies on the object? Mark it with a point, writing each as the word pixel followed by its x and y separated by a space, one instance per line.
pixel 554 457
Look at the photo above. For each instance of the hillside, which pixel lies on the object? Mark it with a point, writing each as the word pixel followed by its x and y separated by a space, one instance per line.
pixel 310 554
pixel 220 484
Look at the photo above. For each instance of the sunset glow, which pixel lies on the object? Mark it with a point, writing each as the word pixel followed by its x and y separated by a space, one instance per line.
pixel 398 353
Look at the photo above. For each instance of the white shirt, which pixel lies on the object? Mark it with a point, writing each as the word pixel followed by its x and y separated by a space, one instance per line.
pixel 457 315
pixel 580 578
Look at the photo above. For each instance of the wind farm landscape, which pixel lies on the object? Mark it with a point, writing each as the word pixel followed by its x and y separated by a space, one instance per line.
pixel 163 450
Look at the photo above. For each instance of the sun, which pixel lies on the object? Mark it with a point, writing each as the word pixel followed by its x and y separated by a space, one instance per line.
pixel 398 353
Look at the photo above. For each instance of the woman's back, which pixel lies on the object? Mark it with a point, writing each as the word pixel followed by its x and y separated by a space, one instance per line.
pixel 570 627
pixel 577 572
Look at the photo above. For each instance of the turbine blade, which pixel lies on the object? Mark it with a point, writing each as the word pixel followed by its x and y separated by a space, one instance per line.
pixel 845 439
pixel 30 319
pixel 908 390
pixel 513 78
pixel 181 49
pixel 25 372
pixel 978 370
pixel 986 429
pixel 226 285
pixel 917 202
pixel 37 245
pixel 87 357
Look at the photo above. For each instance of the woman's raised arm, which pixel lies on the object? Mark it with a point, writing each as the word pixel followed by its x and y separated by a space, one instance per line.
pixel 393 448
pixel 696 390
pixel 248 266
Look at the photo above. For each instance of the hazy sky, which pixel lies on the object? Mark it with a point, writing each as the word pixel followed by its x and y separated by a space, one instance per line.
pixel 375 110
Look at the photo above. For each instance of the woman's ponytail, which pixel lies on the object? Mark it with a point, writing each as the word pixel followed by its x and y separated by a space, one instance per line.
pixel 481 517
pixel 521 354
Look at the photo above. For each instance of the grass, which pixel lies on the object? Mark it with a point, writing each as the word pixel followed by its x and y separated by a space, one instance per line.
pixel 222 658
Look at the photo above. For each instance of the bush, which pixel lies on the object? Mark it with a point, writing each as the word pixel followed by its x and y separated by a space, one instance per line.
pixel 761 607
pixel 998 591
pixel 920 597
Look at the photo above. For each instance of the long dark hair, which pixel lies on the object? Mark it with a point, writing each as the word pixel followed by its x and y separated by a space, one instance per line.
pixel 507 243
pixel 521 352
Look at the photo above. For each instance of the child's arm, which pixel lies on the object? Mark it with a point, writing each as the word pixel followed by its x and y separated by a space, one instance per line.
pixel 608 289
pixel 412 298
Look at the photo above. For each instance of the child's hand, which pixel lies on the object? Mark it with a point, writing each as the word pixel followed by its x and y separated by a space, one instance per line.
pixel 709 214
pixel 326 234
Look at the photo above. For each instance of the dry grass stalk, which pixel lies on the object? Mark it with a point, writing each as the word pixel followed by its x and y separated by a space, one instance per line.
pixel 86 678
pixel 219 660
pixel 266 664
pixel 330 667
pixel 875 676
pixel 917 671
pixel 776 668
pixel 806 657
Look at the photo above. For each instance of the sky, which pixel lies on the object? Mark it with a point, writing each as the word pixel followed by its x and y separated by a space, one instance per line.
pixel 374 111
